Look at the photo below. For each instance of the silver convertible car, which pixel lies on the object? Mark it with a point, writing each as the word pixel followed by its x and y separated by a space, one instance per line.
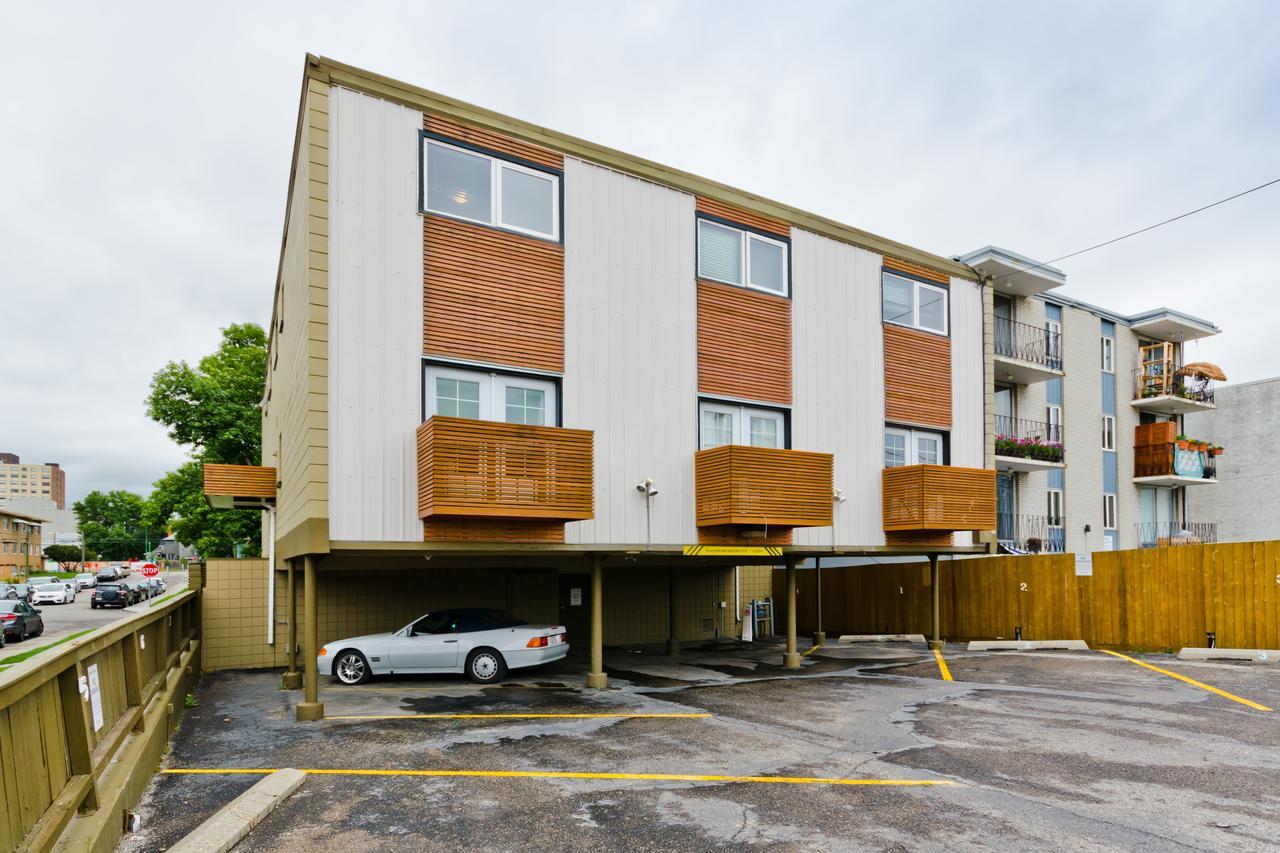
pixel 484 644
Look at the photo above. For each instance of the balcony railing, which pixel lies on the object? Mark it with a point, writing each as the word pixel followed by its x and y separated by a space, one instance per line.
pixel 1029 534
pixel 1160 534
pixel 938 498
pixel 1027 439
pixel 1028 343
pixel 763 486
pixel 485 468
pixel 1153 381
pixel 1171 460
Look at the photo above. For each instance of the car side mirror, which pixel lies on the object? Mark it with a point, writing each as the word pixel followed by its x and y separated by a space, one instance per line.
pixel 37 609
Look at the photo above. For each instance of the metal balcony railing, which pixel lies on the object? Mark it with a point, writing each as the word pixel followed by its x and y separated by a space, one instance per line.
pixel 1160 534
pixel 1029 534
pixel 1028 343
pixel 1028 439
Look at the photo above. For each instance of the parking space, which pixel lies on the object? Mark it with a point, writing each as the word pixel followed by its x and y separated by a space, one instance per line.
pixel 867 747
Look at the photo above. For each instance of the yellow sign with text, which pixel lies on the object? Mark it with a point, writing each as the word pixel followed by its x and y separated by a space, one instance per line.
pixel 732 551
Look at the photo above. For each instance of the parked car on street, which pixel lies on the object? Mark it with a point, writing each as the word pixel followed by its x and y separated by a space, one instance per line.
pixel 87 580
pixel 114 594
pixel 141 588
pixel 8 592
pixel 39 581
pixel 20 620
pixel 157 587
pixel 484 644
pixel 53 593
pixel 108 573
pixel 25 591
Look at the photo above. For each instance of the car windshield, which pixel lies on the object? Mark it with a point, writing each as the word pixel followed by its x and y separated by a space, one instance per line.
pixel 83 577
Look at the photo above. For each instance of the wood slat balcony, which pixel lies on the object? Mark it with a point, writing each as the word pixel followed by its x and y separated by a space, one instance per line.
pixel 762 486
pixel 939 498
pixel 499 470
pixel 232 486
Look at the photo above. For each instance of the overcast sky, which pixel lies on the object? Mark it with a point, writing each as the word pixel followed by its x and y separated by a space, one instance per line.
pixel 144 156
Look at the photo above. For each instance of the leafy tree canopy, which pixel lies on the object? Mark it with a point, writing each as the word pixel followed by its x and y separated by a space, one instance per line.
pixel 66 556
pixel 177 502
pixel 111 524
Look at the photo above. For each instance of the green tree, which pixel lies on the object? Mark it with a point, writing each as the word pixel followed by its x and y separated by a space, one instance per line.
pixel 111 524
pixel 177 503
pixel 213 407
pixel 66 556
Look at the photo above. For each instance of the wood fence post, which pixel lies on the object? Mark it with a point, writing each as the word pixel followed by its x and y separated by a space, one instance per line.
pixel 78 723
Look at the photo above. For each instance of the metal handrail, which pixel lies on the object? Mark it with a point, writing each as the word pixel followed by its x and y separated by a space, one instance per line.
pixel 1159 534
pixel 1025 438
pixel 1037 534
pixel 1028 343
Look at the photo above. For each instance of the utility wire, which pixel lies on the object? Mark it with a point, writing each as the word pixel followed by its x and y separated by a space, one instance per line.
pixel 1141 230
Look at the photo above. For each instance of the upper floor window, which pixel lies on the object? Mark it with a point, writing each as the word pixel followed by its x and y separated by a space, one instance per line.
pixel 907 302
pixel 1108 432
pixel 911 447
pixel 1109 511
pixel 726 423
pixel 740 257
pixel 479 395
pixel 1108 355
pixel 491 191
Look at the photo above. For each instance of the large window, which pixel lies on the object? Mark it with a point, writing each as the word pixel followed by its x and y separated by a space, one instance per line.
pixel 490 191
pixel 478 395
pixel 726 423
pixel 907 302
pixel 904 446
pixel 740 257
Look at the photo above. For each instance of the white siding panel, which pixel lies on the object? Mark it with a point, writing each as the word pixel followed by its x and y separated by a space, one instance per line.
pixel 838 365
pixel 1127 510
pixel 967 421
pixel 1082 425
pixel 631 349
pixel 375 319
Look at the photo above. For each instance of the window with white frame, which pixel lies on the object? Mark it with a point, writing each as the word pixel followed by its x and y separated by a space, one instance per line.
pixel 1055 508
pixel 1053 417
pixel 1109 511
pixel 1053 335
pixel 486 396
pixel 727 423
pixel 1108 355
pixel 735 256
pixel 904 446
pixel 1108 432
pixel 907 302
pixel 488 190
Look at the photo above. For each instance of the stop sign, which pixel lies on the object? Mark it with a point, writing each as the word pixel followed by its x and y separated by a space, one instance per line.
pixel 150 570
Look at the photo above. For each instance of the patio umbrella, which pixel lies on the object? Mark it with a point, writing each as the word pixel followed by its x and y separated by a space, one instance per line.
pixel 1206 370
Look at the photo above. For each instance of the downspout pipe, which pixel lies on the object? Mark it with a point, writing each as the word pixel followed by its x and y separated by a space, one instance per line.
pixel 271 575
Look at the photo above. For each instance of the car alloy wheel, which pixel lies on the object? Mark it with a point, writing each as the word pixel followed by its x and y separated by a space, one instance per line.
pixel 486 666
pixel 351 668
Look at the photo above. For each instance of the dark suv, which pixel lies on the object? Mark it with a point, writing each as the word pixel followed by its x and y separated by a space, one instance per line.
pixel 112 595
pixel 110 573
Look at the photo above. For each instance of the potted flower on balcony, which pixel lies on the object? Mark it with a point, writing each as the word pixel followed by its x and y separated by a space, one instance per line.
pixel 1184 443
pixel 1215 450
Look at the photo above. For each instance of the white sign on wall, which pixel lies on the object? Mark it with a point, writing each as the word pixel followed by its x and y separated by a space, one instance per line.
pixel 1084 565
pixel 95 697
pixel 575 596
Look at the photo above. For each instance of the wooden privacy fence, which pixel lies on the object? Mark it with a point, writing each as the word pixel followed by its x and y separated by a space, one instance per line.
pixel 83 726
pixel 1153 598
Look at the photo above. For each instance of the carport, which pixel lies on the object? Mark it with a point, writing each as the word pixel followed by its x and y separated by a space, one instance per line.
pixel 656 565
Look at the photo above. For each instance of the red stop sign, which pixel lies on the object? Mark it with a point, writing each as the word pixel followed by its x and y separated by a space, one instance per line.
pixel 150 570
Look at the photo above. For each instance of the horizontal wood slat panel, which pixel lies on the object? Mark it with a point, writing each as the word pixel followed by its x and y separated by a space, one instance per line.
pixel 916 269
pixel 493 141
pixel 917 537
pixel 744 343
pixel 499 470
pixel 239 481
pixel 917 376
pixel 762 486
pixel 461 529
pixel 492 296
pixel 732 534
pixel 939 498
pixel 744 217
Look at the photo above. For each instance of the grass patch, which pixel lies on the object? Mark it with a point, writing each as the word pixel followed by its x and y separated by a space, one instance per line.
pixel 26 653
pixel 162 599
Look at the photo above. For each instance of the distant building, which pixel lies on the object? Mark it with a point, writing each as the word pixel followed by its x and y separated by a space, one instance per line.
pixel 46 480
pixel 59 526
pixel 20 549
pixel 171 549
pixel 1249 468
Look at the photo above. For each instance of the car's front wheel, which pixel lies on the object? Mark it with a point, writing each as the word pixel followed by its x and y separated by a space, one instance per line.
pixel 350 667
pixel 486 666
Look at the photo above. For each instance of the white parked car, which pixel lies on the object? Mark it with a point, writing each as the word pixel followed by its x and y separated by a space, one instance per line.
pixel 484 644
pixel 53 593
pixel 88 580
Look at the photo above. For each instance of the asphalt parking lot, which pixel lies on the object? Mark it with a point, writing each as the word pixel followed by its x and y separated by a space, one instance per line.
pixel 63 619
pixel 865 748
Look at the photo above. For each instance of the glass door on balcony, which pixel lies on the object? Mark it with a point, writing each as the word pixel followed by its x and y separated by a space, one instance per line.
pixel 1005 507
pixel 1004 411
pixel 1004 325
pixel 1156 515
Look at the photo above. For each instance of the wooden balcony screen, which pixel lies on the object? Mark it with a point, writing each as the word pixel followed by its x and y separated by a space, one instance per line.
pixel 227 486
pixel 762 486
pixel 499 470
pixel 939 498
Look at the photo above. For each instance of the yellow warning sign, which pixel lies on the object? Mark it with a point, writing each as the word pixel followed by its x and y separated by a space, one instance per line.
pixel 732 551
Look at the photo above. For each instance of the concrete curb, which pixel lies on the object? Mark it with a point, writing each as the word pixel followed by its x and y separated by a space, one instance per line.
pixel 1027 645
pixel 233 821
pixel 1255 655
pixel 881 638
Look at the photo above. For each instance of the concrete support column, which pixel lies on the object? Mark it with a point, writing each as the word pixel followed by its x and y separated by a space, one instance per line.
pixel 791 660
pixel 819 636
pixel 596 677
pixel 673 641
pixel 310 708
pixel 292 677
pixel 935 641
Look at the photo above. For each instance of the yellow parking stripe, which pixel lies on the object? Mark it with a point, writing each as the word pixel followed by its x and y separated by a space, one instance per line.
pixel 810 651
pixel 1190 681
pixel 511 716
pixel 565 774
pixel 942 666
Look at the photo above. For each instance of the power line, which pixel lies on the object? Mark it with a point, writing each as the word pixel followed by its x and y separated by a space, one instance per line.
pixel 1142 230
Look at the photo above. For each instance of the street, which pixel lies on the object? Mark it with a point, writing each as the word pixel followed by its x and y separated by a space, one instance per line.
pixel 63 619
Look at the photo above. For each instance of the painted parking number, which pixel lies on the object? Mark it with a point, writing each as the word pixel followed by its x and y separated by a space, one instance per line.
pixel 1022 587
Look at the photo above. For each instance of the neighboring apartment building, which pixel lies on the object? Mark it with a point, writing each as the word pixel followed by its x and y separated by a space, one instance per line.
pixel 1243 424
pixel 19 480
pixel 20 549
pixel 59 526
pixel 513 368
pixel 1088 408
